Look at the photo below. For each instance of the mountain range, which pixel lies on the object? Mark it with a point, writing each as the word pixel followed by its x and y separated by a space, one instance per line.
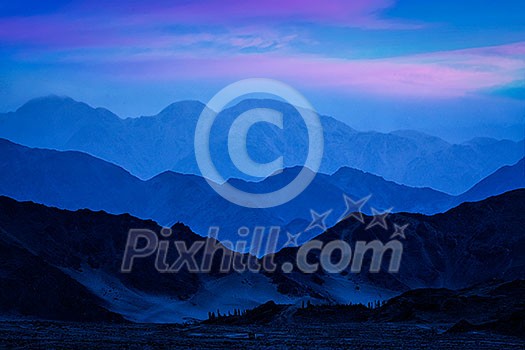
pixel 92 176
pixel 148 146
pixel 58 263
pixel 74 180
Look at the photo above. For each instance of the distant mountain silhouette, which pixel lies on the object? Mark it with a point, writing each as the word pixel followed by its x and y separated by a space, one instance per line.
pixel 74 180
pixel 148 146
pixel 502 180
pixel 471 243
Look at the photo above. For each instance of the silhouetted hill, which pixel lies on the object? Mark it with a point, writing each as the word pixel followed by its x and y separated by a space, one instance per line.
pixel 472 243
pixel 87 247
pixel 494 306
pixel 468 244
pixel 31 288
pixel 502 180
pixel 74 180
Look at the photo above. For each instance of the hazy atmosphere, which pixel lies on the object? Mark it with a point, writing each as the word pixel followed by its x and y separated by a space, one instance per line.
pixel 230 174
pixel 454 69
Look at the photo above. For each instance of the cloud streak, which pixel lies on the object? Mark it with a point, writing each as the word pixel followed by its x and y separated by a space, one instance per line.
pixel 440 74
pixel 233 39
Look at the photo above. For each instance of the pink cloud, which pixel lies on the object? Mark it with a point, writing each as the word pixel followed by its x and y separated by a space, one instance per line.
pixel 440 74
pixel 136 43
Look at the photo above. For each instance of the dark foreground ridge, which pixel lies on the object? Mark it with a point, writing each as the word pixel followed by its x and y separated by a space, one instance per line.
pixel 62 265
pixel 494 306
pixel 486 316
pixel 65 266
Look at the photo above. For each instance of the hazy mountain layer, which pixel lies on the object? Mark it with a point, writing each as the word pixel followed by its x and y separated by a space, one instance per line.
pixel 148 146
pixel 73 180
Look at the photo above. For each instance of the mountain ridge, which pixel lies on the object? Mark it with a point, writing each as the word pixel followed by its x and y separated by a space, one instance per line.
pixel 147 146
pixel 74 180
pixel 85 247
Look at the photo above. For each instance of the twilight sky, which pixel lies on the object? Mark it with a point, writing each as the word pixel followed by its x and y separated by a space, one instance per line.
pixel 455 69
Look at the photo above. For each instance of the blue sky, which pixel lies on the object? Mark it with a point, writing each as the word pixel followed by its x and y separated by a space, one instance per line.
pixel 451 68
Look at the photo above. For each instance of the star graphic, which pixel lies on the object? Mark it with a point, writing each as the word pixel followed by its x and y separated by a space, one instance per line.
pixel 399 231
pixel 292 239
pixel 353 208
pixel 318 220
pixel 379 218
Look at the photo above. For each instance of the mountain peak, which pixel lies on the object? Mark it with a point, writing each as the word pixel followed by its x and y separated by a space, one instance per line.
pixel 46 102
pixel 182 108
